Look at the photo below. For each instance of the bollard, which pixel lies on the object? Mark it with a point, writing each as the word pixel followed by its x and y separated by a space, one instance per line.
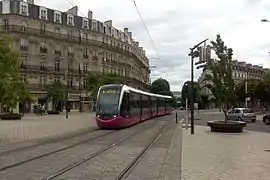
pixel 176 118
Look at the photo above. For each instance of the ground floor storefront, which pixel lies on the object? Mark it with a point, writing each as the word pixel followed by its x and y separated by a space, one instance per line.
pixel 76 102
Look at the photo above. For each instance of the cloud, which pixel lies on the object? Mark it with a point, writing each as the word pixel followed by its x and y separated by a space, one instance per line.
pixel 175 26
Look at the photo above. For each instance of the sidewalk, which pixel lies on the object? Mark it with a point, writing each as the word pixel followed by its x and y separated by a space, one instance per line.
pixel 34 127
pixel 217 156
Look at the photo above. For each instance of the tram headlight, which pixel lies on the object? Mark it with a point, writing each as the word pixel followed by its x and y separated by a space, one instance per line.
pixel 98 116
pixel 114 116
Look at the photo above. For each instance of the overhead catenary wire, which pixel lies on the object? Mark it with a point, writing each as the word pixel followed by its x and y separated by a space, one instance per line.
pixel 73 3
pixel 144 24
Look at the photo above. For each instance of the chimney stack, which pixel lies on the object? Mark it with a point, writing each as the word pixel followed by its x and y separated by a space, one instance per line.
pixel 90 14
pixel 130 35
pixel 30 1
pixel 126 30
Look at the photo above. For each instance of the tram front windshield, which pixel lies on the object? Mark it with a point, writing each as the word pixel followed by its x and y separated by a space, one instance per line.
pixel 108 100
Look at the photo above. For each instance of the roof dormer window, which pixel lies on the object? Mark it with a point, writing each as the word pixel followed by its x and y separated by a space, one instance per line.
pixel 24 8
pixel 85 23
pixel 57 17
pixel 43 13
pixel 70 20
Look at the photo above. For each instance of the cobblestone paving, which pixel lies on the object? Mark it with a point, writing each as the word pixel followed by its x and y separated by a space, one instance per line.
pixel 19 156
pixel 35 127
pixel 110 164
pixel 49 164
pixel 152 166
pixel 217 156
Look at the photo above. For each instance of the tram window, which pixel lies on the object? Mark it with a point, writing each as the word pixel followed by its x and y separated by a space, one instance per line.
pixel 125 106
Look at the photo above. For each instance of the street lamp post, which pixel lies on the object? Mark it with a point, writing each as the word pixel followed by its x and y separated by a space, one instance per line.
pixel 192 85
pixel 67 86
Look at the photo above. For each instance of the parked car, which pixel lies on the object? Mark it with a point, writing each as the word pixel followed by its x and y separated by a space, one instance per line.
pixel 242 114
pixel 266 119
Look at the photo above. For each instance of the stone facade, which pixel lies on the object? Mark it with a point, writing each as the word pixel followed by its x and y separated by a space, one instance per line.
pixel 240 72
pixel 62 46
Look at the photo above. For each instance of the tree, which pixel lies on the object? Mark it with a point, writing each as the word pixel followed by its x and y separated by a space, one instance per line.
pixel 12 87
pixel 55 92
pixel 185 93
pixel 160 86
pixel 240 90
pixel 220 80
pixel 95 80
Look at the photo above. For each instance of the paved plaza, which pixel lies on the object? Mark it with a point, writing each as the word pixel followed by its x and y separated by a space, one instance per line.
pixel 221 156
pixel 34 127
pixel 205 155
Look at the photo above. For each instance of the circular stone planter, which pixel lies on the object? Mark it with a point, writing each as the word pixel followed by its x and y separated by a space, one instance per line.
pixel 11 116
pixel 229 127
pixel 53 112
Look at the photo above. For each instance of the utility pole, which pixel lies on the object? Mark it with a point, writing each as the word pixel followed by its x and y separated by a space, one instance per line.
pixel 67 91
pixel 246 91
pixel 192 85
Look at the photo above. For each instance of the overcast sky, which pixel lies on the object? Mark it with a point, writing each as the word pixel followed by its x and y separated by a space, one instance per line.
pixel 177 25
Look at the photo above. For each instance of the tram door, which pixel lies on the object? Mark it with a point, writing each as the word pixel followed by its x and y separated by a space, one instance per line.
pixel 125 106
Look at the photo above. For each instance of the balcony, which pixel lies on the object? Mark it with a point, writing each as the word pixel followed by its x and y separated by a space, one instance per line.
pixel 85 56
pixel 58 52
pixel 43 87
pixel 68 38
pixel 43 50
pixel 70 54
pixel 24 48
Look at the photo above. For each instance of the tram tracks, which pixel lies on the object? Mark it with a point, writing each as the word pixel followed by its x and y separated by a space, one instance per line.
pixel 4 167
pixel 19 165
pixel 124 173
pixel 35 143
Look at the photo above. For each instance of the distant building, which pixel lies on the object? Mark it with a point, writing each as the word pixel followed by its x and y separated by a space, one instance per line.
pixel 177 95
pixel 240 72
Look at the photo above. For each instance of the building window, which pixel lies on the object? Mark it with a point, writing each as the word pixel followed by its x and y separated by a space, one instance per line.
pixel 42 28
pixel 85 67
pixel 43 14
pixel 43 44
pixel 70 20
pixel 57 31
pixel 85 24
pixel 23 26
pixel 24 9
pixel 85 36
pixel 85 53
pixel 57 17
pixel 42 64
pixel 6 24
pixel 70 32
pixel 57 65
pixel 70 82
pixel 23 42
pixel 84 83
pixel 94 25
pixel 23 60
pixel 42 80
pixel 56 79
pixel 43 47
pixel 70 49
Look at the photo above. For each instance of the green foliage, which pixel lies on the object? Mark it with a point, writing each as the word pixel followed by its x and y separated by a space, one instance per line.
pixel 12 87
pixel 95 80
pixel 55 92
pixel 160 86
pixel 186 92
pixel 240 90
pixel 220 80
